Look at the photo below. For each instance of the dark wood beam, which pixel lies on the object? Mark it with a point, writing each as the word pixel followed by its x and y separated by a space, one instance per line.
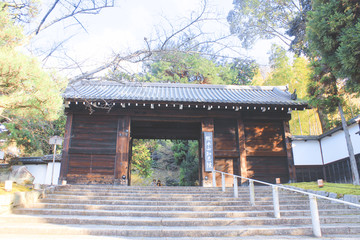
pixel 242 149
pixel 66 145
pixel 289 153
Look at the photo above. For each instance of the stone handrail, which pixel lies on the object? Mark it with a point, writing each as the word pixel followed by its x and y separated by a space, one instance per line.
pixel 275 189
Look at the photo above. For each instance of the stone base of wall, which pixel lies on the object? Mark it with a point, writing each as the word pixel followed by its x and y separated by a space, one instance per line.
pixel 23 199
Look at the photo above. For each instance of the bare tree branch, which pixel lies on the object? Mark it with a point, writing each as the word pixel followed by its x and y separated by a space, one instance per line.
pixel 186 26
pixel 74 9
pixel 46 15
pixel 56 47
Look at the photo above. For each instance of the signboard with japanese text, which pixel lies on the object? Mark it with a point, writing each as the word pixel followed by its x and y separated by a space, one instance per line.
pixel 56 140
pixel 209 151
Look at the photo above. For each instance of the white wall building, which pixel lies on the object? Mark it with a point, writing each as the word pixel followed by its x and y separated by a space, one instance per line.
pixel 326 149
pixel 41 168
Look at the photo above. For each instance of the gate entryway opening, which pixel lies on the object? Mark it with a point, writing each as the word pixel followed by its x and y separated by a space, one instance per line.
pixel 167 162
pixel 165 150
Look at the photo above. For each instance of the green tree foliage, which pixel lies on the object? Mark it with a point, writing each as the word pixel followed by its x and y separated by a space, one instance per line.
pixel 297 29
pixel 326 91
pixel 296 74
pixel 183 67
pixel 21 11
pixel 189 168
pixel 30 98
pixel 333 31
pixel 180 149
pixel 141 158
pixel 174 162
pixel 251 20
pixel 25 89
pixel 239 71
pixel 186 155
pixel 293 72
pixel 32 134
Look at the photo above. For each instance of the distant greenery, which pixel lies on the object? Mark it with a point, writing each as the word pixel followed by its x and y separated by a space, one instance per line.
pixel 32 134
pixel 180 67
pixel 173 162
pixel 189 163
pixel 297 74
pixel 327 33
pixel 338 188
pixel 141 158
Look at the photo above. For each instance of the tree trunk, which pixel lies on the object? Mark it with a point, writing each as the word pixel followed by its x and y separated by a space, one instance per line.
pixel 322 118
pixel 350 148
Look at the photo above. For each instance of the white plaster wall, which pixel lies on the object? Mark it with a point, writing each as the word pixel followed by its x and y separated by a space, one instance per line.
pixel 335 148
pixel 306 152
pixel 355 138
pixel 49 173
pixel 38 171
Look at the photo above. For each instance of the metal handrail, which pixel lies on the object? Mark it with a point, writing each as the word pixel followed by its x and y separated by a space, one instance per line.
pixel 312 197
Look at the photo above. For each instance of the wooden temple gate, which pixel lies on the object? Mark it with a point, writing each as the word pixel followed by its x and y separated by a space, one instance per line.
pixel 248 139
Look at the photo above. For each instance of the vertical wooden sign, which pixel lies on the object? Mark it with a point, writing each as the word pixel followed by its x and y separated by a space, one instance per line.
pixel 209 151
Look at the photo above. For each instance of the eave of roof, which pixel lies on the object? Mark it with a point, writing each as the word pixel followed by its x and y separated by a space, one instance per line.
pixel 181 93
pixel 30 160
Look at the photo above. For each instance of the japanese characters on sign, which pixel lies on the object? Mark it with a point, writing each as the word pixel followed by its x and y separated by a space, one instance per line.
pixel 56 140
pixel 208 147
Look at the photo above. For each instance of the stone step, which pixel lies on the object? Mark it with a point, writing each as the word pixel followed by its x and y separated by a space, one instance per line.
pixel 176 190
pixel 165 198
pixel 165 231
pixel 179 189
pixel 158 221
pixel 87 237
pixel 179 207
pixel 151 188
pixel 101 188
pixel 156 201
pixel 175 214
pixel 176 198
pixel 182 196
pixel 145 188
pixel 175 194
pixel 205 202
pixel 248 211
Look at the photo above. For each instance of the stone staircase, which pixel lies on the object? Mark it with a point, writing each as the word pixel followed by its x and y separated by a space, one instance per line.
pixel 88 211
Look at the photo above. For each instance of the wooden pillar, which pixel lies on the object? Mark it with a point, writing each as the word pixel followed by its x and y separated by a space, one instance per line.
pixel 65 152
pixel 242 149
pixel 289 154
pixel 122 151
pixel 207 125
pixel 129 161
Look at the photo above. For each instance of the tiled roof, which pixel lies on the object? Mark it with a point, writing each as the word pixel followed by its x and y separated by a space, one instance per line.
pixel 49 158
pixel 38 160
pixel 180 93
pixel 29 160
